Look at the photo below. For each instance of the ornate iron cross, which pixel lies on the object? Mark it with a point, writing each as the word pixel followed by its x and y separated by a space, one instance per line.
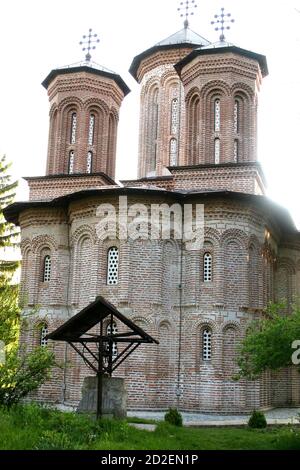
pixel 87 42
pixel 221 21
pixel 186 9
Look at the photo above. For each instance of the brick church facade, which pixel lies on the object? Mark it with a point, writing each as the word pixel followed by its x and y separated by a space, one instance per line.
pixel 198 135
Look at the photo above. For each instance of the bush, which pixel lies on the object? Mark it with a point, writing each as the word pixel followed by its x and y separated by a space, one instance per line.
pixel 173 417
pixel 257 420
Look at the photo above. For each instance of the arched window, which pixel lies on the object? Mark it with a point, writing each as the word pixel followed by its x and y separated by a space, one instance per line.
pixel 71 162
pixel 206 344
pixel 236 151
pixel 173 152
pixel 217 115
pixel 207 267
pixel 236 116
pixel 73 128
pixel 174 116
pixel 193 130
pixel 89 162
pixel 113 266
pixel 47 268
pixel 217 151
pixel 43 334
pixel 91 129
pixel 112 330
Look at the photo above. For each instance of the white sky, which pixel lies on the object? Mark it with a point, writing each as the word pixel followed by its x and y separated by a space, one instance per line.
pixel 37 36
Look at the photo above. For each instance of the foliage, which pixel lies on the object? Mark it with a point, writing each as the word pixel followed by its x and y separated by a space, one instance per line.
pixel 9 315
pixel 24 373
pixel 8 233
pixel 25 427
pixel 257 420
pixel 268 342
pixel 174 417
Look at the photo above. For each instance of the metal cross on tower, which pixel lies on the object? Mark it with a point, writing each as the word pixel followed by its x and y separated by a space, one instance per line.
pixel 221 21
pixel 87 42
pixel 186 9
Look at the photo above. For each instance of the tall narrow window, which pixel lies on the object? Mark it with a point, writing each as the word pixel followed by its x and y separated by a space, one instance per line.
pixel 112 330
pixel 73 128
pixel 217 151
pixel 71 162
pixel 47 268
pixel 91 129
pixel 217 112
pixel 236 116
pixel 236 151
pixel 206 344
pixel 43 334
pixel 173 152
pixel 89 162
pixel 174 116
pixel 193 132
pixel 207 267
pixel 113 266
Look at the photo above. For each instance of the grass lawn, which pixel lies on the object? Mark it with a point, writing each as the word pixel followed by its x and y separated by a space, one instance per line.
pixel 32 427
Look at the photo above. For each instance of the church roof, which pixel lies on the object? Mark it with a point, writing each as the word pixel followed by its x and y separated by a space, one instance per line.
pixel 181 39
pixel 223 47
pixel 90 67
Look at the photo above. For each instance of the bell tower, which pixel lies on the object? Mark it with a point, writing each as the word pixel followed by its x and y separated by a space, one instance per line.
pixel 85 100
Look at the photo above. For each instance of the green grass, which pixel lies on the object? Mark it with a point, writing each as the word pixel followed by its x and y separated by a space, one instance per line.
pixel 33 427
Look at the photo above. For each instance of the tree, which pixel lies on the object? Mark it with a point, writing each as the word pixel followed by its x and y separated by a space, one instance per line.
pixel 269 342
pixel 8 233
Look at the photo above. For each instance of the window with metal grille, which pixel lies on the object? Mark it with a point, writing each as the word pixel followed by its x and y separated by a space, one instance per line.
pixel 236 151
pixel 206 344
pixel 73 128
pixel 91 129
pixel 174 116
pixel 47 268
pixel 89 162
pixel 113 266
pixel 112 330
pixel 173 152
pixel 207 267
pixel 43 334
pixel 236 113
pixel 217 151
pixel 217 111
pixel 71 162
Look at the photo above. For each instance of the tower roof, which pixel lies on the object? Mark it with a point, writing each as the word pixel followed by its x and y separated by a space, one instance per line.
pixel 222 48
pixel 181 39
pixel 90 67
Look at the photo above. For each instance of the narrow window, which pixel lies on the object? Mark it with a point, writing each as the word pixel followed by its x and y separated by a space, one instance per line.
pixel 43 334
pixel 236 151
pixel 91 129
pixel 236 116
pixel 73 128
pixel 207 267
pixel 217 115
pixel 112 330
pixel 47 268
pixel 71 162
pixel 174 116
pixel 89 162
pixel 113 266
pixel 217 151
pixel 173 152
pixel 206 344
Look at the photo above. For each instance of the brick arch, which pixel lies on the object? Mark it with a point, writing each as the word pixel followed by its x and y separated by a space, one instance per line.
pixel 235 235
pixel 97 104
pixel 242 89
pixel 232 324
pixel 288 264
pixel 212 235
pixel 194 91
pixel 83 231
pixel 54 108
pixel 153 82
pixel 169 79
pixel 44 241
pixel 214 86
pixel 69 102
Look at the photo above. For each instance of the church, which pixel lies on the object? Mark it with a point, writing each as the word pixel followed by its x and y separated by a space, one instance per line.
pixel 197 145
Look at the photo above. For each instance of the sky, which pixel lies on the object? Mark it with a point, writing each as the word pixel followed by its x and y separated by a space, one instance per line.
pixel 37 36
